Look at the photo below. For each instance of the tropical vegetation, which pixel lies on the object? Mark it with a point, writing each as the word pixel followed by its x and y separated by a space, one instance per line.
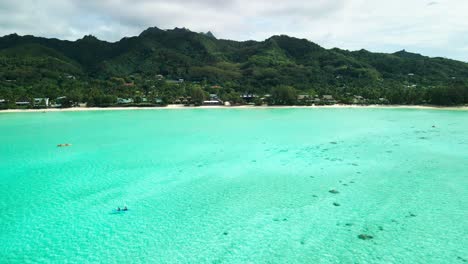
pixel 168 66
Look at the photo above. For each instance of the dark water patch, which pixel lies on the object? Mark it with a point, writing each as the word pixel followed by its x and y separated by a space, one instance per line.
pixel 283 150
pixel 462 259
pixel 365 237
pixel 381 228
pixel 423 138
pixel 344 184
pixel 254 161
pixel 411 215
pixel 315 196
pixel 333 142
pixel 348 224
pixel 118 212
pixel 336 204
pixel 389 151
pixel 225 233
pixel 333 191
pixel 302 242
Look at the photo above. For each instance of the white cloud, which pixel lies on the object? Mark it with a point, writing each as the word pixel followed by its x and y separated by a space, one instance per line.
pixel 430 27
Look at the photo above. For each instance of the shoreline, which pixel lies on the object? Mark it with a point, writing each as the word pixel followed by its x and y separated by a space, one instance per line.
pixel 172 107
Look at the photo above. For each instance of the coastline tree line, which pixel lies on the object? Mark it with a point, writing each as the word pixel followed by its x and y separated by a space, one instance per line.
pixel 152 66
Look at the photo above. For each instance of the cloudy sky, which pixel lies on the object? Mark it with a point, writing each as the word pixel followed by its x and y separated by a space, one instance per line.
pixel 430 27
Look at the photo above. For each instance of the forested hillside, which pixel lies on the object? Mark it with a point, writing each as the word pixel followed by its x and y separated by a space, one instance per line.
pixel 97 72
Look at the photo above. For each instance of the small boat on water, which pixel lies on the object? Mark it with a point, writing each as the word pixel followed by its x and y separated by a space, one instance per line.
pixel 120 210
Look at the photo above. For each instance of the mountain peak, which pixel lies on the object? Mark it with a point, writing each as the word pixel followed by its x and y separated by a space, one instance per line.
pixel 405 54
pixel 182 29
pixel 150 31
pixel 209 34
pixel 89 38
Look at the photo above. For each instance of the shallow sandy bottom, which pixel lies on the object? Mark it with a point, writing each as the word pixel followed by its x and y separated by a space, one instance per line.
pixel 235 186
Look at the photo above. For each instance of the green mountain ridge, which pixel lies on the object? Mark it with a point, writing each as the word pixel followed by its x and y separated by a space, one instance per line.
pixel 34 66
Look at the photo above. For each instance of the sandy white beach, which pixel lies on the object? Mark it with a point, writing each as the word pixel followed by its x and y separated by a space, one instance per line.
pixel 76 109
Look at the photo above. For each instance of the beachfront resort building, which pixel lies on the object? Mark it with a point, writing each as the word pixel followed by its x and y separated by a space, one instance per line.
pixel 185 100
pixel 125 100
pixel 214 100
pixel 23 102
pixel 249 98
pixel 41 102
pixel 359 100
pixel 328 99
pixel 57 103
pixel 3 103
pixel 305 99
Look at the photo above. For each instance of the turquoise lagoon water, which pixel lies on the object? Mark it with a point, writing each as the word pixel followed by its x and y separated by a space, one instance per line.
pixel 235 186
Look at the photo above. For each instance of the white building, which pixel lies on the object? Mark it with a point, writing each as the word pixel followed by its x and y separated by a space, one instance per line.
pixel 40 101
pixel 124 100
